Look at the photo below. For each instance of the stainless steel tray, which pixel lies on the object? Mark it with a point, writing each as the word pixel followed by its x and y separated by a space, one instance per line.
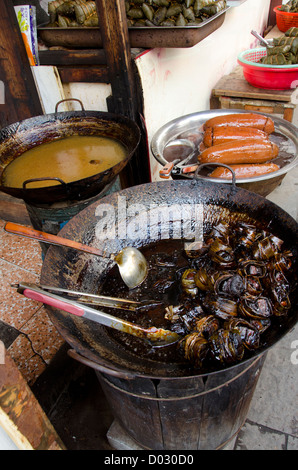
pixel 146 37
pixel 285 136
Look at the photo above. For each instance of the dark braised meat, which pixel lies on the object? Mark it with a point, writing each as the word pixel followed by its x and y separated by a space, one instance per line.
pixel 238 285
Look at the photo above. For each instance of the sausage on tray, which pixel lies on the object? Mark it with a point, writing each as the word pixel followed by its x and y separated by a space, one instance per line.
pixel 244 171
pixel 258 121
pixel 219 135
pixel 246 151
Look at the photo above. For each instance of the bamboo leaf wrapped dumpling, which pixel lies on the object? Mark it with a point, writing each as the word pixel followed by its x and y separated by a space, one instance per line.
pixel 84 10
pixel 275 59
pixel 292 32
pixel 278 50
pixel 92 21
pixel 66 9
pixel 290 7
pixel 52 9
pixel 208 7
pixel 284 41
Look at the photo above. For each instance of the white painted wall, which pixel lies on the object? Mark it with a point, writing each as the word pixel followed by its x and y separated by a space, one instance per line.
pixel 92 95
pixel 177 82
pixel 6 443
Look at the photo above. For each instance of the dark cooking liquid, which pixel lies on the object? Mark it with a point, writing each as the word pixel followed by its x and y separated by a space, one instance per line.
pixel 166 259
pixel 167 262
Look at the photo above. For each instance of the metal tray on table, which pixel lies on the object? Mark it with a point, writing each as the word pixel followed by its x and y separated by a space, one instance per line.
pixel 285 136
pixel 143 37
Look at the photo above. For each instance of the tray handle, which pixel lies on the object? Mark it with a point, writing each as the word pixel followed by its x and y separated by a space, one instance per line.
pixel 196 176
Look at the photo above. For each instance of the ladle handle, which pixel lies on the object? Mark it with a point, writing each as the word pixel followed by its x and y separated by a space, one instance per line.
pixel 260 38
pixel 29 232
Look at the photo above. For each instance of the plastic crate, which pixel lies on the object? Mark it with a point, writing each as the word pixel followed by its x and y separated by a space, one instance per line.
pixel 285 19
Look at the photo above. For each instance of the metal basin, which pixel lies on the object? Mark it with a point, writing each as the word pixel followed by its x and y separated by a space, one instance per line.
pixel 285 136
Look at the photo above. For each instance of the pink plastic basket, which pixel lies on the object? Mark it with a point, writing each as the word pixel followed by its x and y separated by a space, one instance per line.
pixel 277 77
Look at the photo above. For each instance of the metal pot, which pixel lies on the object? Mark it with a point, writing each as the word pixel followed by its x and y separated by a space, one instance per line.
pixel 21 136
pixel 67 269
pixel 162 405
pixel 285 136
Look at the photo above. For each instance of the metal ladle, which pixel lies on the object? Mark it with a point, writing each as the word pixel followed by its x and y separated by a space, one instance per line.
pixel 131 262
pixel 263 41
pixel 158 337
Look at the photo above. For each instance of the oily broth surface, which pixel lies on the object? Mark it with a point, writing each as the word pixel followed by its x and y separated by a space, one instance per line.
pixel 167 261
pixel 70 159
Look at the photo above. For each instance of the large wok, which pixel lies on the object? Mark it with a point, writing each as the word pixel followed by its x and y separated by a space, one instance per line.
pixel 21 136
pixel 71 270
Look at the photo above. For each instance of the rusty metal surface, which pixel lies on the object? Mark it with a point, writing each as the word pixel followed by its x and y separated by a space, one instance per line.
pixel 71 270
pixel 146 37
pixel 21 136
pixel 193 414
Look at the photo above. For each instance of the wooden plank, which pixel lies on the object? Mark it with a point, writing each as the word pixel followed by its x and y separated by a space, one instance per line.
pixel 126 96
pixel 21 97
pixel 12 431
pixel 13 210
pixel 73 57
pixel 21 416
pixel 272 15
pixel 84 74
pixel 115 38
pixel 50 89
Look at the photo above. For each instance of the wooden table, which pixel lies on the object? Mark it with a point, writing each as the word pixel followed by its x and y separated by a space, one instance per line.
pixel 234 92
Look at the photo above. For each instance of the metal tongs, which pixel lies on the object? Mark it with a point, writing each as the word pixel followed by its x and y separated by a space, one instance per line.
pixel 166 171
pixel 157 336
pixel 102 300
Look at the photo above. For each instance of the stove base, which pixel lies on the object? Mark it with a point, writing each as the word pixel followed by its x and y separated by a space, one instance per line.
pixel 120 440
